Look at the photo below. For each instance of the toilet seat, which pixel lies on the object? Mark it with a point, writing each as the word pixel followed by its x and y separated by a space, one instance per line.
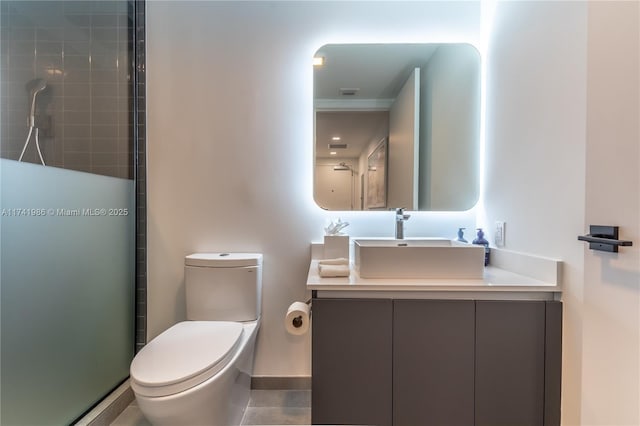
pixel 184 356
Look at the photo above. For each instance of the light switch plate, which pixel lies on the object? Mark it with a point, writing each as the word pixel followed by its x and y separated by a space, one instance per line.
pixel 499 233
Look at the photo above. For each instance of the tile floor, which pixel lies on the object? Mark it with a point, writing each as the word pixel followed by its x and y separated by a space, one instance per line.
pixel 266 407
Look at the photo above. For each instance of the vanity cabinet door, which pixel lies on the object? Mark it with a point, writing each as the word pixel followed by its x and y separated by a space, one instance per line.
pixel 510 363
pixel 433 362
pixel 552 363
pixel 352 362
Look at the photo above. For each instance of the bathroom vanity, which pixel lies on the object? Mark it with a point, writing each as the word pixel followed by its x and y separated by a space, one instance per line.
pixel 439 351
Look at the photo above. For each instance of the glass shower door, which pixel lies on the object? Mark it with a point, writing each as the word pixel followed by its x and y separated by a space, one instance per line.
pixel 67 201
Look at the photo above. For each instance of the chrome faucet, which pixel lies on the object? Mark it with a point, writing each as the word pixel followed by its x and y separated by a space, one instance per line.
pixel 401 217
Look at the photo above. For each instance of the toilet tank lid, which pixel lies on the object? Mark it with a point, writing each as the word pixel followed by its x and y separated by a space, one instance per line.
pixel 223 260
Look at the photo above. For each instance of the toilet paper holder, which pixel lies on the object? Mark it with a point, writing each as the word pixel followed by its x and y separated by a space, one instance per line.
pixel 297 321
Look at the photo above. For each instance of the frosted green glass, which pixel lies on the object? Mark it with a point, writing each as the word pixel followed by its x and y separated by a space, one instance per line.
pixel 66 290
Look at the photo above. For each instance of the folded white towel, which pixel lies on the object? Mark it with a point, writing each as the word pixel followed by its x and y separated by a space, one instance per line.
pixel 337 261
pixel 333 270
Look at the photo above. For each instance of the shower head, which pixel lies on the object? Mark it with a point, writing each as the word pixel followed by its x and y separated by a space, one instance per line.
pixel 36 86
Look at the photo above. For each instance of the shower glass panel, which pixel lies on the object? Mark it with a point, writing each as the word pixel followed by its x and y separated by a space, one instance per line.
pixel 67 200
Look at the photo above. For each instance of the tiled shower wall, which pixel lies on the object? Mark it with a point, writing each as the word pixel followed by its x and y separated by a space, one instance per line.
pixel 140 107
pixel 92 114
pixel 83 50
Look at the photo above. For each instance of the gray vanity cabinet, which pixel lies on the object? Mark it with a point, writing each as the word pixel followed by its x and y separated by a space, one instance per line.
pixel 352 359
pixel 436 362
pixel 510 342
pixel 518 363
pixel 433 362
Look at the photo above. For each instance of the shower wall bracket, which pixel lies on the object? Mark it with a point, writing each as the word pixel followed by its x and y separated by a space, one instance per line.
pixel 43 122
pixel 604 238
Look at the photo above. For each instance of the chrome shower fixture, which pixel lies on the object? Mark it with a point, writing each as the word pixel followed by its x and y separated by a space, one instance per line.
pixel 34 87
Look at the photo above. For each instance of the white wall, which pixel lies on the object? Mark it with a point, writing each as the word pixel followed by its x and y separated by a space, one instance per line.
pixel 336 189
pixel 230 134
pixel 535 151
pixel 230 159
pixel 562 153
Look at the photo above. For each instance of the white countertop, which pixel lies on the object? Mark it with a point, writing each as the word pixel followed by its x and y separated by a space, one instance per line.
pixel 495 280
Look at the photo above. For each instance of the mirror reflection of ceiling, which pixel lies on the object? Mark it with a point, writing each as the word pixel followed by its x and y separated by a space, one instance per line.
pixel 378 70
pixel 423 100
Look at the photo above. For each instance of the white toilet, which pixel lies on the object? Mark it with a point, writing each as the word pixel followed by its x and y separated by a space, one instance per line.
pixel 198 372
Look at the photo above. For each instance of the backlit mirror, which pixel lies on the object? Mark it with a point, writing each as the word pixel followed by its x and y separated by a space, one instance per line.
pixel 396 125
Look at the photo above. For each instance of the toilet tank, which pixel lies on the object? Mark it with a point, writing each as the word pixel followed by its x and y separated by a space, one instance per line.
pixel 223 286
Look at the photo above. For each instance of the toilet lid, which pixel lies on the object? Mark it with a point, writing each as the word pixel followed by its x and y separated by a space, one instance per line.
pixel 184 356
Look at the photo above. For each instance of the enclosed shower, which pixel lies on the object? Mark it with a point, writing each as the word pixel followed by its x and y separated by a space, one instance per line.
pixel 71 174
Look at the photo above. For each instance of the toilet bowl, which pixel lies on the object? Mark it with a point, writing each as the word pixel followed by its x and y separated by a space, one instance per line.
pixel 198 372
pixel 173 387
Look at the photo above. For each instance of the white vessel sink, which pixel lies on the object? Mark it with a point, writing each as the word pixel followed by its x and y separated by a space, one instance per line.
pixel 419 258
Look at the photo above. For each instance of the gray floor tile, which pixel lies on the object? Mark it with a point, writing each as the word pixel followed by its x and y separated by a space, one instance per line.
pixel 280 398
pixel 277 416
pixel 266 407
pixel 131 416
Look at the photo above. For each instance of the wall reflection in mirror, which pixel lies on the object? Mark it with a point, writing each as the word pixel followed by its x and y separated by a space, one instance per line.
pixel 397 125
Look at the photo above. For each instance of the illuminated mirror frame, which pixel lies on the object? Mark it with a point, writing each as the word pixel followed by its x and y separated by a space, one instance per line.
pixel 470 170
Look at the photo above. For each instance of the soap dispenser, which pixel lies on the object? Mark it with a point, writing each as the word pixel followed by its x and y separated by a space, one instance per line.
pixel 481 241
pixel 461 235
